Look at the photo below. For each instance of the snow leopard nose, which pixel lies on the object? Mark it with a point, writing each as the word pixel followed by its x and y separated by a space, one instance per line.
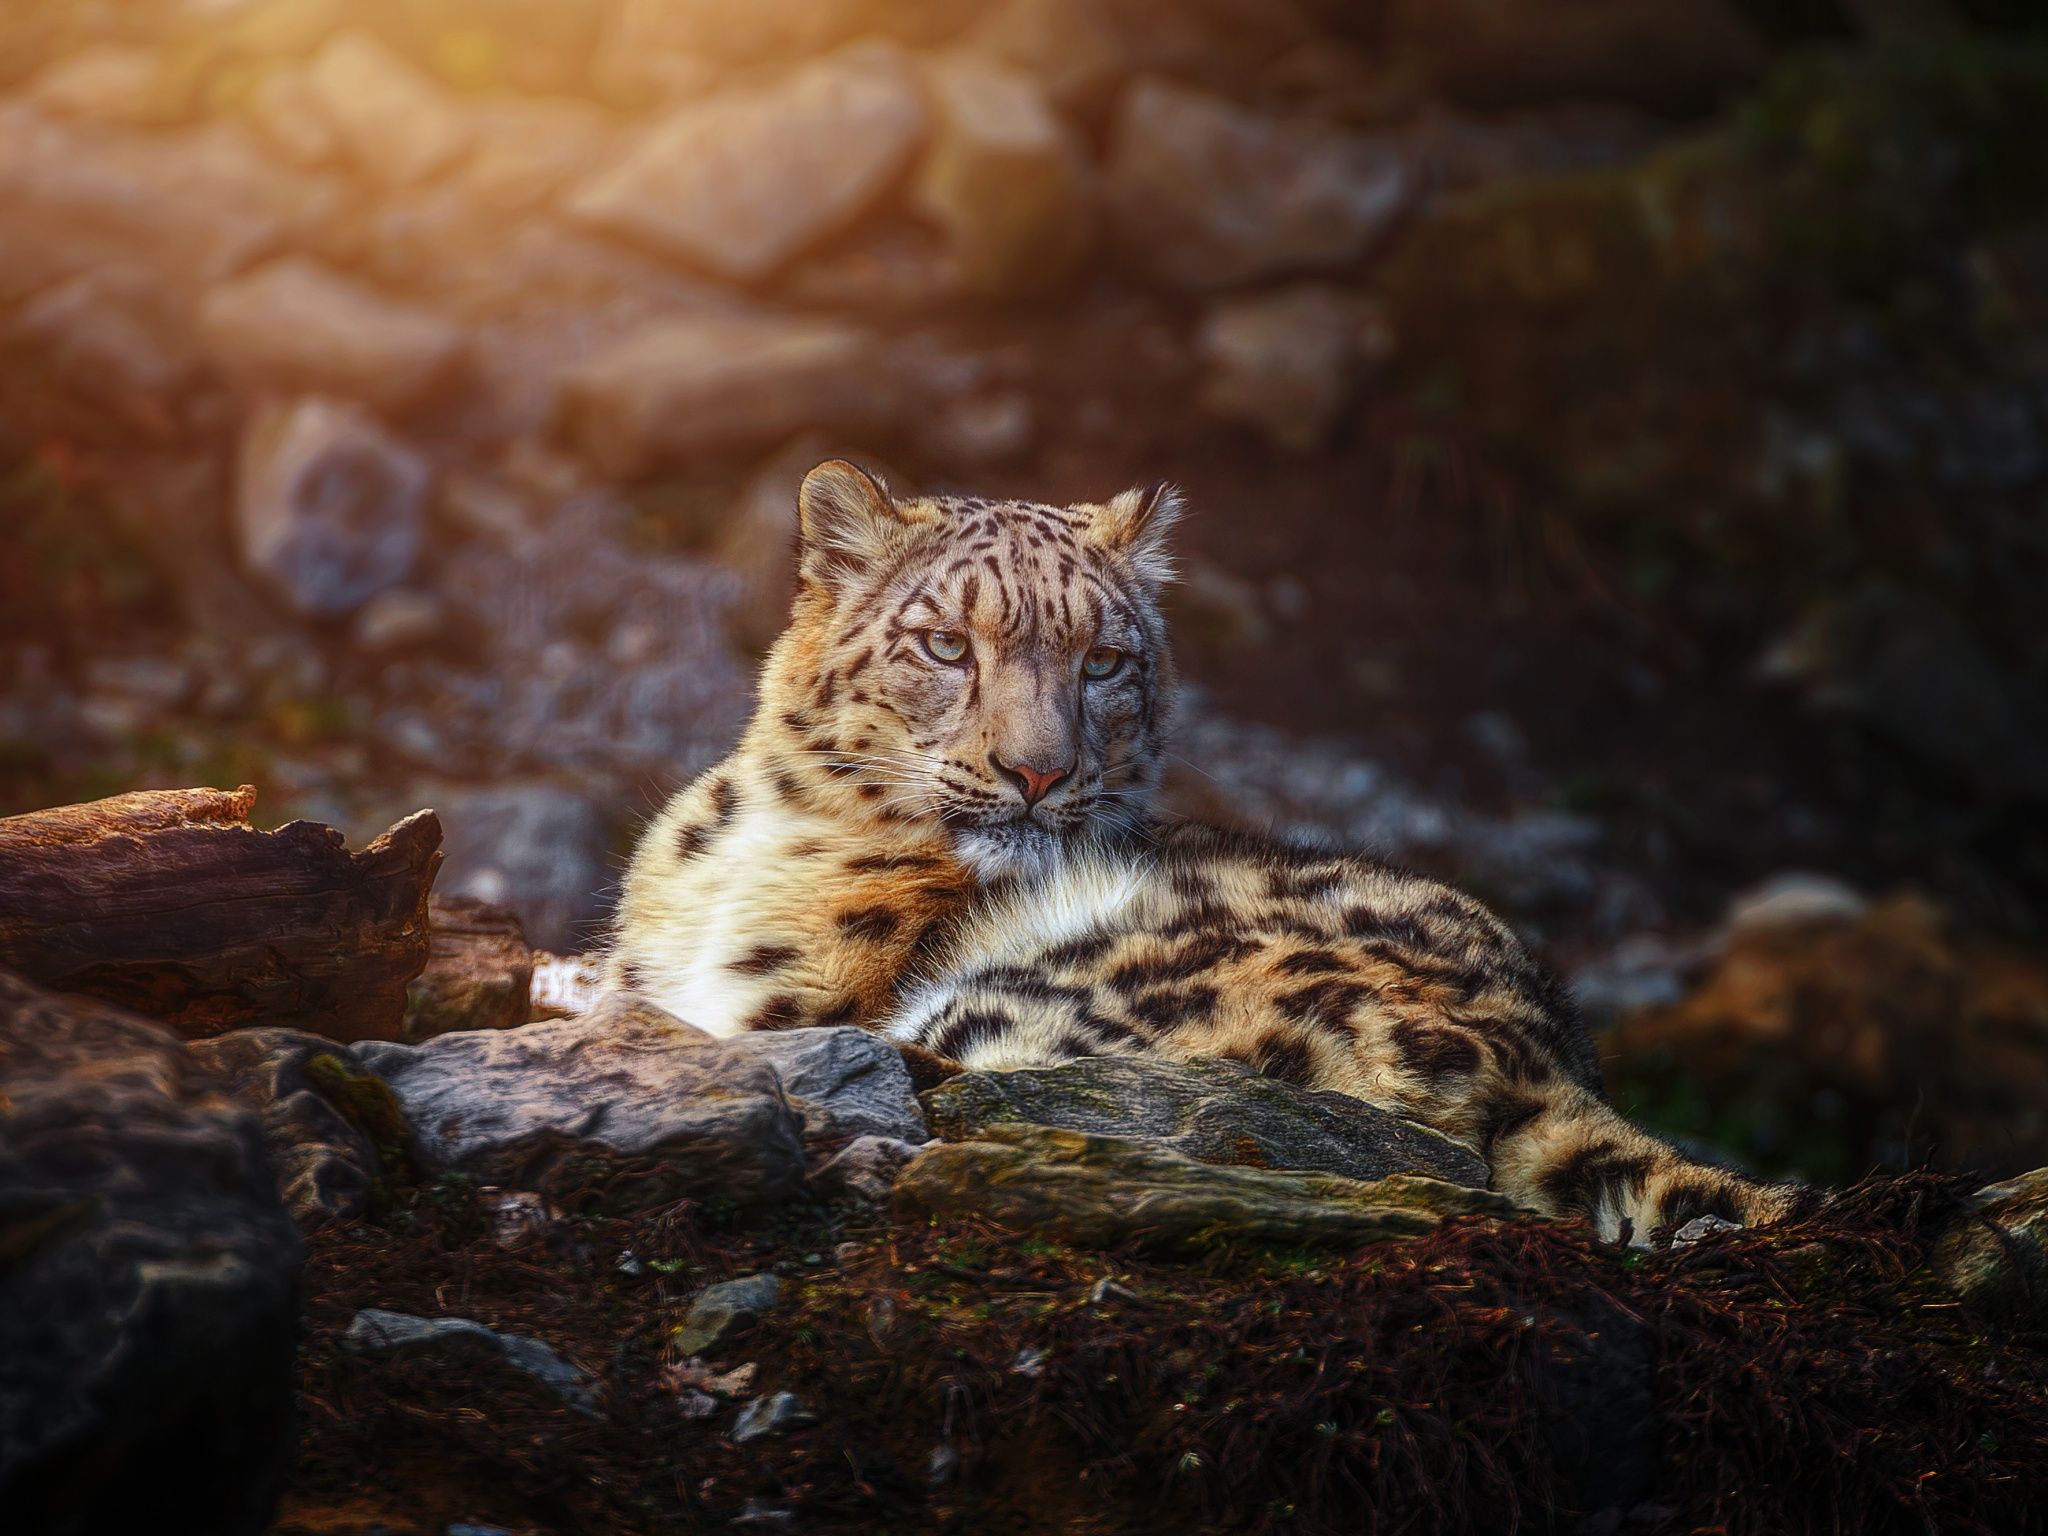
pixel 1034 783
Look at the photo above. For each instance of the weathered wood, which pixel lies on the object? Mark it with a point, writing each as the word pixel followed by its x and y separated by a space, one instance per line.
pixel 169 903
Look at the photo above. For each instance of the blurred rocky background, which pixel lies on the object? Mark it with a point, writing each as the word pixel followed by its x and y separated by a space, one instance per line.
pixel 1618 432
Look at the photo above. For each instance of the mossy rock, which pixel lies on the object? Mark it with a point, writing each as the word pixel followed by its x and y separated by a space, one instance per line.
pixel 1109 1192
pixel 1212 1111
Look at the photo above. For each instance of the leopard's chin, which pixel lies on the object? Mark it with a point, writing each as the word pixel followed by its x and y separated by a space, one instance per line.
pixel 1018 849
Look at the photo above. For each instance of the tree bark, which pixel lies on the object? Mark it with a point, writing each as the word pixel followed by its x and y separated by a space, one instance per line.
pixel 169 903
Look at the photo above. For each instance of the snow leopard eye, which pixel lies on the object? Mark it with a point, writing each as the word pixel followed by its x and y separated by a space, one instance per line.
pixel 945 645
pixel 1103 661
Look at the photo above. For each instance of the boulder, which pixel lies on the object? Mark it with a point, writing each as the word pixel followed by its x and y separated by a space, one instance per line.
pixel 532 1108
pixel 202 202
pixel 1106 1191
pixel 1005 179
pixel 720 31
pixel 711 384
pixel 528 149
pixel 1282 363
pixel 1678 56
pixel 741 182
pixel 1073 48
pixel 112 82
pixel 284 108
pixel 323 1120
pixel 374 1331
pixel 297 325
pixel 1212 1111
pixel 845 1082
pixel 1995 1256
pixel 720 1311
pixel 1208 194
pixel 148 1283
pixel 394 123
pixel 479 971
pixel 331 507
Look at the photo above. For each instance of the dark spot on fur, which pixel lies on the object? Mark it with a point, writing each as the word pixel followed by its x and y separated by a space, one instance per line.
pixel 1287 1058
pixel 845 1011
pixel 1310 962
pixel 1405 932
pixel 1435 1051
pixel 878 863
pixel 763 959
pixel 779 1012
pixel 1331 1001
pixel 873 924
pixel 1082 951
pixel 978 1028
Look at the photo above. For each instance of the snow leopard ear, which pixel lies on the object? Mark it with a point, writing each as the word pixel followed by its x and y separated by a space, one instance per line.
pixel 847 523
pixel 1137 525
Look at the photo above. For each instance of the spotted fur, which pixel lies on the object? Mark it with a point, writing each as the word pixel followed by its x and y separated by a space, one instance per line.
pixel 865 858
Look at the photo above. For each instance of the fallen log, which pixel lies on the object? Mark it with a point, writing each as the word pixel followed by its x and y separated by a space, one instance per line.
pixel 169 903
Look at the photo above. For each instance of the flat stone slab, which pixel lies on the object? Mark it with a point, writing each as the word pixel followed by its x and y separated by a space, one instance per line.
pixel 374 1331
pixel 626 1081
pixel 849 1082
pixel 1105 1192
pixel 1214 1112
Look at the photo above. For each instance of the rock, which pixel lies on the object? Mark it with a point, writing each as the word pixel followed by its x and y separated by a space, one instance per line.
pixel 848 1081
pixel 330 506
pixel 864 1170
pixel 479 971
pixel 1996 1254
pixel 1680 57
pixel 400 619
pixel 1206 194
pixel 517 1215
pixel 323 1120
pixel 1005 179
pixel 148 1290
pixel 113 82
pixel 1104 1191
pixel 286 111
pixel 770 1415
pixel 395 124
pixel 722 1310
pixel 114 334
pixel 1212 1111
pixel 296 325
pixel 1071 47
pixel 1282 363
pixel 741 182
pixel 528 149
pixel 202 202
pixel 1795 899
pixel 716 30
pixel 623 1083
pixel 533 846
pixel 374 1331
pixel 702 385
